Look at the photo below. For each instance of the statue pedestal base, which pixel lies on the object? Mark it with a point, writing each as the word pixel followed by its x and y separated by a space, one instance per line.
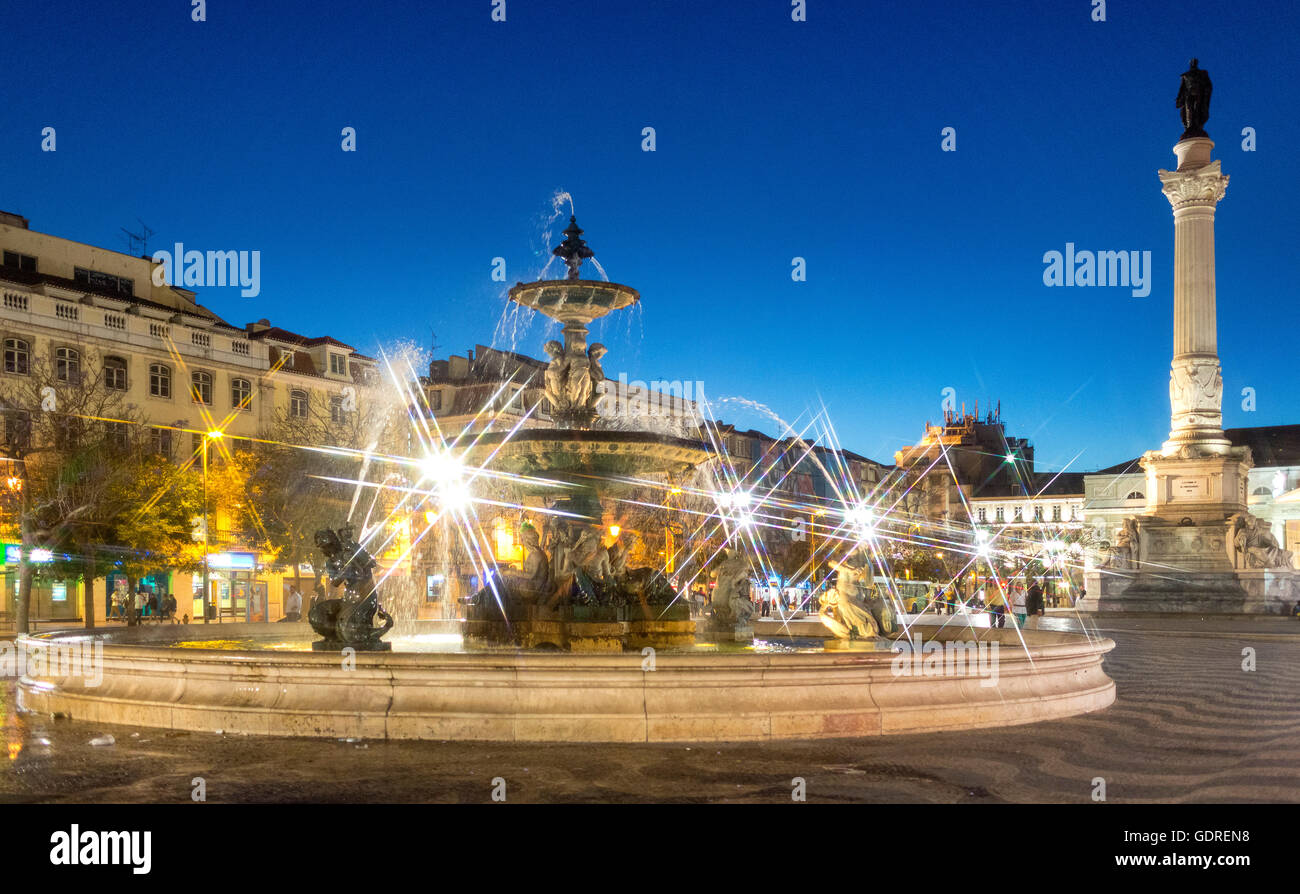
pixel 1197 484
pixel 1250 591
pixel 580 628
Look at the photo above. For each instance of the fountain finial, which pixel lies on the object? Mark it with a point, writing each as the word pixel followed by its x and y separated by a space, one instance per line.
pixel 573 249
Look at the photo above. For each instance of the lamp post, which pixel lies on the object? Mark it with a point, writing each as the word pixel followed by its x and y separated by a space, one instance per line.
pixel 207 593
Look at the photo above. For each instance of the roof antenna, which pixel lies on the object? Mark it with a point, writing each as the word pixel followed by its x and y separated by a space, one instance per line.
pixel 140 239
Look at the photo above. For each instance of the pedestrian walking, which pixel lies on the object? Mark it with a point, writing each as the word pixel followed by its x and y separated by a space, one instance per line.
pixel 1018 606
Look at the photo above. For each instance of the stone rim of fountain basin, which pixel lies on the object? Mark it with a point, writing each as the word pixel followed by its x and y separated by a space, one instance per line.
pixel 563 697
pixel 571 300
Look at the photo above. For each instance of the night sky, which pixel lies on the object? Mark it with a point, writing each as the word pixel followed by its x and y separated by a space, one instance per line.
pixel 775 139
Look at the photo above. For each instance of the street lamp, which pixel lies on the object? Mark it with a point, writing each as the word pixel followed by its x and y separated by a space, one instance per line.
pixel 214 435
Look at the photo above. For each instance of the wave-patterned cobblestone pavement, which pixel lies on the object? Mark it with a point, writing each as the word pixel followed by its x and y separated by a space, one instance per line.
pixel 1190 724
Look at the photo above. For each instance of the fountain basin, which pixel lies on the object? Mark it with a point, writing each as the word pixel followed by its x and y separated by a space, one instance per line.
pixel 586 453
pixel 521 696
pixel 574 300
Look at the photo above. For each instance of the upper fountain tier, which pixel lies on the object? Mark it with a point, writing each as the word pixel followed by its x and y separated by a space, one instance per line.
pixel 573 299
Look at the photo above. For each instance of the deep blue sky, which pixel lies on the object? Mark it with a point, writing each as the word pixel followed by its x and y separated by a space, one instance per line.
pixel 775 139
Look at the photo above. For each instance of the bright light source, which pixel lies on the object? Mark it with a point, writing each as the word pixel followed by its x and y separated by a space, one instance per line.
pixel 1011 457
pixel 614 530
pixel 42 555
pixel 446 472
pixel 863 520
pixel 441 466
pixel 454 494
pixel 215 434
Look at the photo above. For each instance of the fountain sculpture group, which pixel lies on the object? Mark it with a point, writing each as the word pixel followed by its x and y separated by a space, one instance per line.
pixel 574 591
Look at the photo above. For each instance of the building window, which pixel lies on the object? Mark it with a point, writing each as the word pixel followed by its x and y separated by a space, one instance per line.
pixel 241 394
pixel 18 430
pixel 338 365
pixel 1019 515
pixel 983 515
pixel 435 401
pixel 67 365
pixel 160 441
pixel 298 404
pixel 1000 515
pixel 104 280
pixel 1038 513
pixel 337 413
pixel 160 380
pixel 18 356
pixel 115 373
pixel 20 261
pixel 67 432
pixel 1136 495
pixel 119 437
pixel 1056 513
pixel 1262 492
pixel 201 387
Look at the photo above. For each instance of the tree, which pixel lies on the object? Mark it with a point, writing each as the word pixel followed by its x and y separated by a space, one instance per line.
pixel 148 508
pixel 64 429
pixel 285 483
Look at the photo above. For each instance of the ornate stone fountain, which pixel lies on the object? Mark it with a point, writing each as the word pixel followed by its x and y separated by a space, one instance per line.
pixel 574 591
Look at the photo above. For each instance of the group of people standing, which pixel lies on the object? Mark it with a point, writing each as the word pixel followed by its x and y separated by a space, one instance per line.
pixel 1025 603
pixel 149 606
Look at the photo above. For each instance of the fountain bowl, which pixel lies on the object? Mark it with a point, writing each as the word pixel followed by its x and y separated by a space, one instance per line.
pixel 190 678
pixel 574 300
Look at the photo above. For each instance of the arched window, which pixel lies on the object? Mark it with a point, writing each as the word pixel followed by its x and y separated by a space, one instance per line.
pixel 1136 495
pixel 18 356
pixel 241 394
pixel 201 387
pixel 67 365
pixel 160 380
pixel 1262 492
pixel 298 404
pixel 115 373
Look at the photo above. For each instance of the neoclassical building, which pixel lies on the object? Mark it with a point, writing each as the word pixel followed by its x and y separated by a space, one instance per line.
pixel 67 307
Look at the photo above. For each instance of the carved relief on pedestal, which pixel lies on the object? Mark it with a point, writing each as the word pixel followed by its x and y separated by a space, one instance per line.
pixel 1203 186
pixel 1196 393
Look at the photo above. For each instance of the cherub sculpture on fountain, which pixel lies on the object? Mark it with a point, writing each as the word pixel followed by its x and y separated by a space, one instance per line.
pixel 348 622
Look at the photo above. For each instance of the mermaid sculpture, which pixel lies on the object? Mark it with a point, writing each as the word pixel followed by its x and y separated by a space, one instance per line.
pixel 348 622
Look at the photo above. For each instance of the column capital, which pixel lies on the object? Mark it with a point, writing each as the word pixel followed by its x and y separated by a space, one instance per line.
pixel 1203 186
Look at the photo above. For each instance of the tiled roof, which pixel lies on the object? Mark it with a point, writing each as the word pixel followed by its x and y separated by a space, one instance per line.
pixel 293 338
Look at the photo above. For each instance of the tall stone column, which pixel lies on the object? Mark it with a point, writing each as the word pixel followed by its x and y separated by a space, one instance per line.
pixel 1195 381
